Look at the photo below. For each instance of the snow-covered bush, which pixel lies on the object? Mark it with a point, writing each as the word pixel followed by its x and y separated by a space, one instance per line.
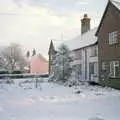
pixel 9 81
pixel 75 78
pixel 6 80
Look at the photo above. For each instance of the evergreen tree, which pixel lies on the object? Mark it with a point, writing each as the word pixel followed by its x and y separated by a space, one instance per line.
pixel 33 52
pixel 28 54
pixel 61 68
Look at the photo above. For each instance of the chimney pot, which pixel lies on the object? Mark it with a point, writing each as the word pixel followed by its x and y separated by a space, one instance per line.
pixel 85 24
pixel 85 15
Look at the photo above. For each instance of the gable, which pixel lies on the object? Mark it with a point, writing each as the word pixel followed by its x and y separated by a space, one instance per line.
pixel 116 3
pixel 51 48
pixel 109 4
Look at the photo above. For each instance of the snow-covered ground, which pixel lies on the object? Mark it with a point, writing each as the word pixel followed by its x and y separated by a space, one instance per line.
pixel 56 102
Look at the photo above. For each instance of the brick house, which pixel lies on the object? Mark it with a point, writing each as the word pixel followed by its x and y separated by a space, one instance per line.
pixel 108 34
pixel 37 64
pixel 84 51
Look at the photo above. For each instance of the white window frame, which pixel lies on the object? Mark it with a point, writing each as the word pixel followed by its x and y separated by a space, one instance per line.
pixel 113 65
pixel 113 37
pixel 104 66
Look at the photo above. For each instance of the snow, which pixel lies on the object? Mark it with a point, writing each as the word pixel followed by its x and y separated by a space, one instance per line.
pixel 116 3
pixel 80 41
pixel 57 102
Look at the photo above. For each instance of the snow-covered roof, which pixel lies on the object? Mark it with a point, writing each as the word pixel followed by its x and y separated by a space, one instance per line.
pixel 80 41
pixel 116 3
pixel 57 43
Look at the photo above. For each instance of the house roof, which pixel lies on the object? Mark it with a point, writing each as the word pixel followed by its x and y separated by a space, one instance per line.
pixel 80 41
pixel 51 47
pixel 115 3
pixel 38 56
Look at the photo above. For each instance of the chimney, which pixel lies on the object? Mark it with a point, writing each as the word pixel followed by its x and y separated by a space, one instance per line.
pixel 85 24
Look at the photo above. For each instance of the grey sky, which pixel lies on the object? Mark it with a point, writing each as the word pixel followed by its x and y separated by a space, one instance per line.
pixel 33 23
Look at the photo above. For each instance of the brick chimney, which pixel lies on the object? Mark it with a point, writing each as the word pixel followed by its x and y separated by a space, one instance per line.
pixel 85 24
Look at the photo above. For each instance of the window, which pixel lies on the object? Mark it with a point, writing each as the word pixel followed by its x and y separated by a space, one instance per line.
pixel 113 37
pixel 114 68
pixel 93 51
pixel 104 66
pixel 91 68
pixel 78 55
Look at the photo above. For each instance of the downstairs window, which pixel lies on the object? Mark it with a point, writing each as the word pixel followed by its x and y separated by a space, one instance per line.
pixel 114 69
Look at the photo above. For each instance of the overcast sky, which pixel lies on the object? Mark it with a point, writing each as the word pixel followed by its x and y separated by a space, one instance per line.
pixel 33 23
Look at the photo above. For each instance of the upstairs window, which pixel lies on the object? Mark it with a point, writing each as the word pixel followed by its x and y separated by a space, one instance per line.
pixel 93 51
pixel 78 55
pixel 113 37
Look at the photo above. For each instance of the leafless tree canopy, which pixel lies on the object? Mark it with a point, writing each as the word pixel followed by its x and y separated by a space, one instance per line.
pixel 13 57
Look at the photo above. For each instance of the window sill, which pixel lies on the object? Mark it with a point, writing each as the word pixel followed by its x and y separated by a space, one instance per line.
pixel 114 44
pixel 78 59
pixel 114 77
pixel 93 56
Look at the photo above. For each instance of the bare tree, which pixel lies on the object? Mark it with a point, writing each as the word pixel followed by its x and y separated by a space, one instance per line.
pixel 13 57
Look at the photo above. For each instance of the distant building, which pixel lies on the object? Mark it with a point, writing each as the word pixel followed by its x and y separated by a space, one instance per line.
pixel 84 50
pixel 108 34
pixel 38 64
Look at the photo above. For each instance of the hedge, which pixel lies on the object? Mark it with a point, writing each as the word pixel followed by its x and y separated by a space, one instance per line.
pixel 4 76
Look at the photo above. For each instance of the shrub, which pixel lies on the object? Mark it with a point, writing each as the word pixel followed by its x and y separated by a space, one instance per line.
pixel 4 72
pixel 93 83
pixel 9 81
pixel 17 72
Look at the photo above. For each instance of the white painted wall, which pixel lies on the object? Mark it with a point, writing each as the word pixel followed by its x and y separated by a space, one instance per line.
pixel 91 60
pixel 88 60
